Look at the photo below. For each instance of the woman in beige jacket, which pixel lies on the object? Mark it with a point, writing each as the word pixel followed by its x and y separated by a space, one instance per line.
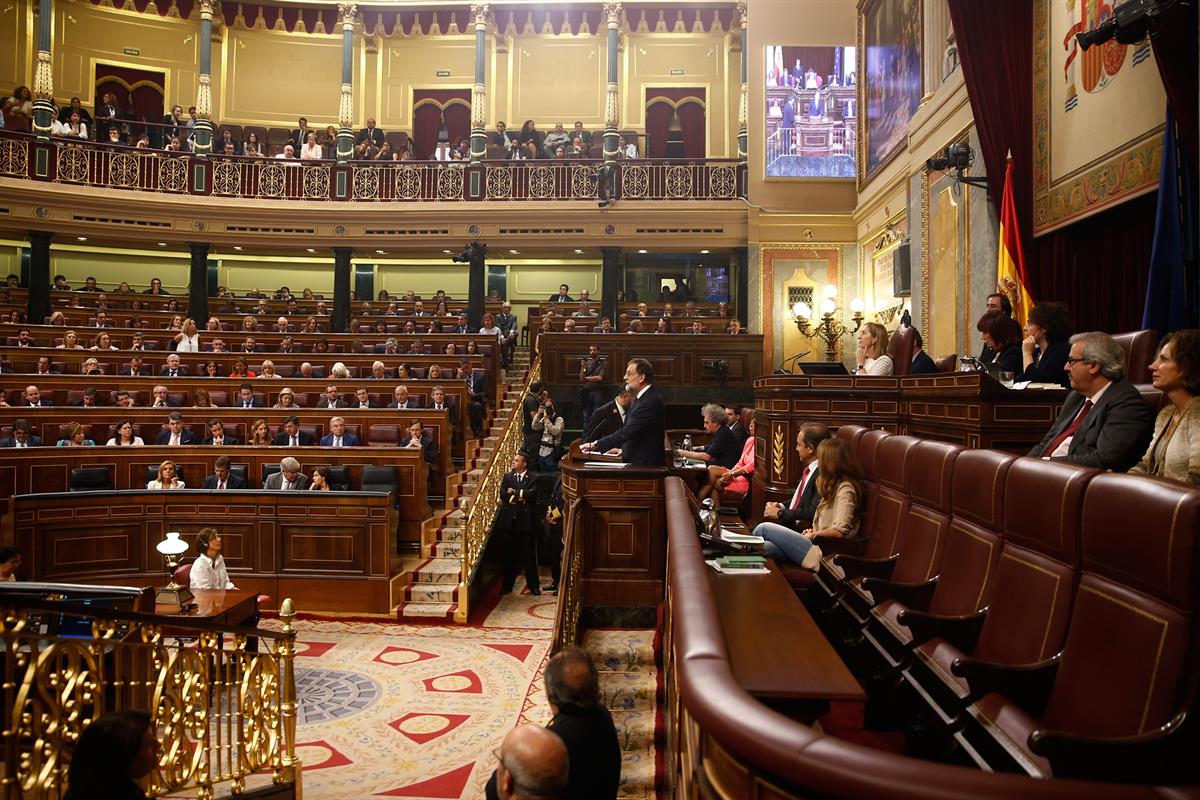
pixel 1175 447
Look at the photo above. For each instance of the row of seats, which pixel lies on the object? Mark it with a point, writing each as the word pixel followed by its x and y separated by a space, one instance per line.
pixel 222 398
pixel 373 479
pixel 1041 614
pixel 376 434
pixel 283 370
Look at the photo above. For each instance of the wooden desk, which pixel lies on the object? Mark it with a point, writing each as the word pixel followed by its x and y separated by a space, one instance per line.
pixel 777 651
pixel 680 360
pixel 223 606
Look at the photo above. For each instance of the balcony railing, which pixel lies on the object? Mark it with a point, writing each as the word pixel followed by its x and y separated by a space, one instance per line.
pixel 100 166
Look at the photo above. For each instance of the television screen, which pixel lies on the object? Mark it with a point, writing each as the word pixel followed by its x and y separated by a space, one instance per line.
pixel 811 113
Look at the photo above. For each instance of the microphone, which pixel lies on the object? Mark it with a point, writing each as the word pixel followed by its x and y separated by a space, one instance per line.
pixel 798 356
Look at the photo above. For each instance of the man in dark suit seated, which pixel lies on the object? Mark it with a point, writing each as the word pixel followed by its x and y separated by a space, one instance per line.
pixel 799 513
pixel 608 418
pixel 173 369
pixel 562 296
pixel 362 398
pixel 222 478
pixel 331 399
pixel 88 400
pixel 518 489
pixel 337 436
pixel 175 434
pixel 159 399
pixel 723 450
pixel 136 368
pixel 733 416
pixel 416 438
pixel 922 364
pixel 245 397
pixel 292 436
pixel 1104 423
pixel 217 436
pixel 34 399
pixel 21 436
pixel 289 477
pixel 370 134
pixel 584 725
pixel 402 400
pixel 641 440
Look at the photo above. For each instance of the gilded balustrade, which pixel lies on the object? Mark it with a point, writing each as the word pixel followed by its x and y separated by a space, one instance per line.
pixel 221 713
pixel 483 504
pixel 140 169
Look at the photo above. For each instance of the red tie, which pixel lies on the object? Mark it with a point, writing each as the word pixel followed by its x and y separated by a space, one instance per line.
pixel 800 488
pixel 1069 431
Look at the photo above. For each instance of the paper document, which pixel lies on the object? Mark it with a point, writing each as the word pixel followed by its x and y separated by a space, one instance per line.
pixel 740 538
pixel 609 464
pixel 756 569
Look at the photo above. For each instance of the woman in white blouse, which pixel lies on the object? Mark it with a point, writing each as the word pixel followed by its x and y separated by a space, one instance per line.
pixel 310 150
pixel 188 338
pixel 70 341
pixel 872 354
pixel 124 436
pixel 73 128
pixel 208 570
pixel 490 327
pixel 166 477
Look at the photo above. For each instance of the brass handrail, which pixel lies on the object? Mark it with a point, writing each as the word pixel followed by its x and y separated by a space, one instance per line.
pixel 483 504
pixel 221 713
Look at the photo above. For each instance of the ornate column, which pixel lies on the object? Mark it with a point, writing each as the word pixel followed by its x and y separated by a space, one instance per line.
pixel 204 127
pixel 744 100
pixel 340 320
pixel 479 11
pixel 937 28
pixel 43 76
pixel 345 138
pixel 612 107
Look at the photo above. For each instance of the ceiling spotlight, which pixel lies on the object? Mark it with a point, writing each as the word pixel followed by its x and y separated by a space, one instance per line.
pixel 643 252
pixel 237 247
pixel 162 244
pixel 447 252
pixel 312 250
pixel 82 238
pixel 578 251
pixel 703 252
pixel 381 252
pixel 515 252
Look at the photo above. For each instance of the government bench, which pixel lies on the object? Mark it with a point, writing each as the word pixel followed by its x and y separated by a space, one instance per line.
pixel 725 743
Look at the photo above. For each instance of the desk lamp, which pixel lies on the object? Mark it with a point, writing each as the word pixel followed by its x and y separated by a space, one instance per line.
pixel 172 548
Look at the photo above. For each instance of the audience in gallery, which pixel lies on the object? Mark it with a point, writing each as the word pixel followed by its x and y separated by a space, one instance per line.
pixel 112 755
pixel 1174 450
pixel 839 483
pixel 167 479
pixel 871 353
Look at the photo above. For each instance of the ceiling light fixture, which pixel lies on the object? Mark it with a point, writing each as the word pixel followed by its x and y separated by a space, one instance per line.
pixel 311 250
pixel 380 253
pixel 82 238
pixel 703 252
pixel 515 252
pixel 578 251
pixel 237 247
pixel 643 252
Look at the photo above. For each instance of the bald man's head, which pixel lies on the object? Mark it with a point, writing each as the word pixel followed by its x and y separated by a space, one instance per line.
pixel 572 681
pixel 533 764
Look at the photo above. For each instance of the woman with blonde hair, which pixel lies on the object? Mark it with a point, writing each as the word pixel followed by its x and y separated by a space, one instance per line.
pixel 839 514
pixel 249 323
pixel 268 370
pixel 260 435
pixel 166 477
pixel 339 370
pixel 872 354
pixel 70 341
pixel 188 338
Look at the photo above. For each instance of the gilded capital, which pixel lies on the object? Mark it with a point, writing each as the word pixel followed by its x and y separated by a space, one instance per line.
pixel 346 12
pixel 207 9
pixel 479 11
pixel 43 77
pixel 346 106
pixel 612 116
pixel 612 13
pixel 743 15
pixel 478 106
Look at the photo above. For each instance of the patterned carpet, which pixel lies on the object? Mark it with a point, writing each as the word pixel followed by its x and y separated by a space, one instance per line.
pixel 389 710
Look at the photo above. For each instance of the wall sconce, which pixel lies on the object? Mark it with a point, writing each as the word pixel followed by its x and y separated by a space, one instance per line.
pixel 829 329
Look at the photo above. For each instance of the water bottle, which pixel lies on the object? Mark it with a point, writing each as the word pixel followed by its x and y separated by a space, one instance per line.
pixel 687 442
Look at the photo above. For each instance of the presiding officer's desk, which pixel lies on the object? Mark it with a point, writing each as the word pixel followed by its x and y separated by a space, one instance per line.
pixel 333 551
pixel 222 606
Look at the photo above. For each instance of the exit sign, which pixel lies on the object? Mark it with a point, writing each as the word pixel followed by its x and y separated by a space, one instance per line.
pixel 132 51
pixel 676 72
pixel 443 73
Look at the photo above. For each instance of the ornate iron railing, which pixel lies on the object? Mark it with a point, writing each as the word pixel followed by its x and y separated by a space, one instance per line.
pixel 221 713
pixel 483 504
pixel 141 169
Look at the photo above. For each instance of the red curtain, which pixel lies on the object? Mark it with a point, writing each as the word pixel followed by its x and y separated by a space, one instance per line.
pixel 1174 41
pixel 428 107
pixel 689 105
pixel 139 92
pixel 820 59
pixel 1099 266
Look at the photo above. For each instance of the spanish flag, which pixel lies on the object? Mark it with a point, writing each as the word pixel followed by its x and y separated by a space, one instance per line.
pixel 1012 279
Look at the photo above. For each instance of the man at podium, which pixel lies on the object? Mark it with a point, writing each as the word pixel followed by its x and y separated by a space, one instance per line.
pixel 640 439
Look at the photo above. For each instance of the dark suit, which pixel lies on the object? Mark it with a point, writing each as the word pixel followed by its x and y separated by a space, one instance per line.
pixel 1009 359
pixel 724 449
pixel 42 403
pixel 561 298
pixel 324 402
pixel 1114 434
pixel 30 441
pixel 233 482
pixel 185 437
pixel 802 516
pixel 1050 366
pixel 515 519
pixel 348 440
pixel 254 403
pixel 428 448
pixel 476 403
pixel 641 438
pixel 593 753
pixel 410 403
pixel 283 440
pixel 374 134
pixel 604 421
pixel 740 433
pixel 128 372
pixel 227 439
pixel 922 364
pixel 166 372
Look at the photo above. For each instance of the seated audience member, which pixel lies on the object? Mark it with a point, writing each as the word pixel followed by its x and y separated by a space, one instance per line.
pixel 362 398
pixel 217 437
pixel 241 370
pixel 188 338
pixel 585 726
pixel 663 326
pixel 123 436
pixel 175 434
pixel 838 514
pixel 339 371
pixel 1174 450
pixel 1045 348
pixel 400 393
pixel 1104 422
pixel 307 371
pixel 166 477
pixel 437 399
pixel 287 345
pixel 208 570
pixel 634 327
pixel 245 397
pixel 45 367
pixel 697 328
pixel 995 302
pixel 34 399
pixel 75 437
pixel 260 434
pixel 555 139
pixel 735 327
pixel 626 149
pixel 90 367
pixel 10 560
pixel 288 478
pixel 416 438
pixel 310 150
pixel 287 399
pixel 724 450
pixel 922 364
pixel 267 370
pixel 210 369
pixel 320 480
pixel 70 341
pixel 88 400
pixel 331 398
pixel 114 754
pixel 156 288
pixel 569 326
pixel 292 436
pixel 124 399
pixel 173 369
pixel 1002 336
pixel 222 477
pixel 733 480
pixel 798 514
pixel 871 353
pixel 200 399
pixel 338 436
pixel 605 326
pixel 21 436
pixel 158 397
pixel 378 371
pixel 689 309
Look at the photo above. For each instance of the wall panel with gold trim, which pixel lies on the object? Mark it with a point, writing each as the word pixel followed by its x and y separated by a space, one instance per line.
pixel 274 77
pixel 558 78
pixel 658 61
pixel 16 44
pixel 407 64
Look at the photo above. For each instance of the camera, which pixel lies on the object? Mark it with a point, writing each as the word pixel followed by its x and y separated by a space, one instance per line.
pixel 957 156
pixel 472 250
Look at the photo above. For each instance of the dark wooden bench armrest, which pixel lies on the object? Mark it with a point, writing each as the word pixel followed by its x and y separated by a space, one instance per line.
pixel 913 595
pixel 1158 756
pixel 834 545
pixel 1027 685
pixel 960 631
pixel 857 567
